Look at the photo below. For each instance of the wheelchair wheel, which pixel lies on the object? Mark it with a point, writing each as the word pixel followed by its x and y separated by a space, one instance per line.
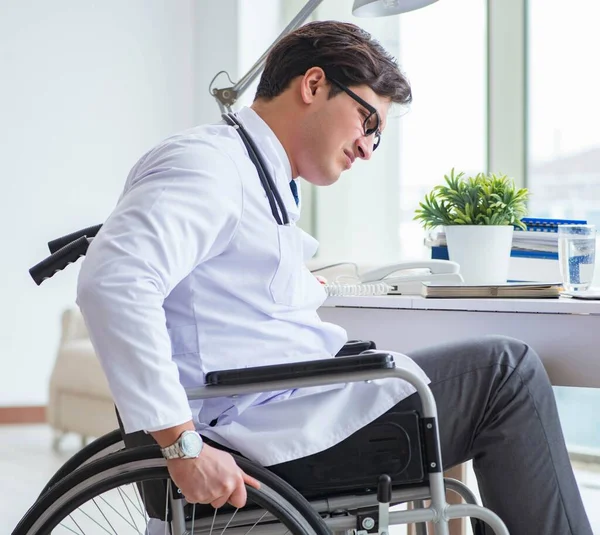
pixel 109 443
pixel 103 497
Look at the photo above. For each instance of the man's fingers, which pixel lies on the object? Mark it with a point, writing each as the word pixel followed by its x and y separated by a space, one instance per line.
pixel 249 480
pixel 219 502
pixel 238 496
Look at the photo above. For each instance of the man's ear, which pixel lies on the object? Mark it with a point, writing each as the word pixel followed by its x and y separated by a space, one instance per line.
pixel 313 81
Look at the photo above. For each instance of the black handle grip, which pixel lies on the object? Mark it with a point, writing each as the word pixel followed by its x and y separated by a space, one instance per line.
pixel 59 243
pixel 384 489
pixel 59 260
pixel 354 347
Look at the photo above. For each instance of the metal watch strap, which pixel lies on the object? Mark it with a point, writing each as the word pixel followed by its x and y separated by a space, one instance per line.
pixel 173 451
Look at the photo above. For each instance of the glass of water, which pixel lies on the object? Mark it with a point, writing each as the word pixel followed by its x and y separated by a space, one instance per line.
pixel 576 255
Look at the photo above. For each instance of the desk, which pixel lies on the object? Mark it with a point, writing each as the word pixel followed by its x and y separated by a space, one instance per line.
pixel 565 332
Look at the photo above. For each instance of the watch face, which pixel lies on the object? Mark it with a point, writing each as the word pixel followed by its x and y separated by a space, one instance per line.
pixel 191 444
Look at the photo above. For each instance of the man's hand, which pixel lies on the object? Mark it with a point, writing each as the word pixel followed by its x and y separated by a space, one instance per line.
pixel 213 477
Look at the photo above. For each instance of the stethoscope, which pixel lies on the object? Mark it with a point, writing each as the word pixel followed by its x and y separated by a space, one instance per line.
pixel 275 201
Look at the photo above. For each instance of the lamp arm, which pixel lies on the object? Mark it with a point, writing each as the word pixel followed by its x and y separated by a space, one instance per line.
pixel 227 97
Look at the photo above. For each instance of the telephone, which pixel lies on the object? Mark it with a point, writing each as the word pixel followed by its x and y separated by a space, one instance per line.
pixel 406 277
pixel 403 277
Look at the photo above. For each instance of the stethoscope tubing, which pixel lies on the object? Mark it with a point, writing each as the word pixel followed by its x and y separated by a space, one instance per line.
pixel 276 203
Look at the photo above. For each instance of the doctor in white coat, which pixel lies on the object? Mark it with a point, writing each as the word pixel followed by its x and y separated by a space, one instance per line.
pixel 192 272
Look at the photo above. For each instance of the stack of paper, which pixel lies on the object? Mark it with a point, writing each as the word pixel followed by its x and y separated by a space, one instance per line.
pixel 531 240
pixel 541 235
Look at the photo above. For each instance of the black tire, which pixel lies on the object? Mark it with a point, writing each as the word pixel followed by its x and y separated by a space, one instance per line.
pixel 146 463
pixel 109 443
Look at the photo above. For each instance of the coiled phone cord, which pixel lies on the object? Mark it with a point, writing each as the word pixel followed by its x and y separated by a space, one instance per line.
pixel 339 289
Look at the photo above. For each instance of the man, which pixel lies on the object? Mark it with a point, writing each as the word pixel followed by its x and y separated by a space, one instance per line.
pixel 192 273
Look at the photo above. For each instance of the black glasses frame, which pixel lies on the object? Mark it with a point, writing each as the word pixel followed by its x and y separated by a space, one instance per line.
pixel 372 112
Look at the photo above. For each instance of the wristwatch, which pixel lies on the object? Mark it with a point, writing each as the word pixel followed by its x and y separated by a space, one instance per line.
pixel 187 446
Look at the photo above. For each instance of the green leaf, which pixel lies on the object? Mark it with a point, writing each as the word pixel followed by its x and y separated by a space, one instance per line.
pixel 482 199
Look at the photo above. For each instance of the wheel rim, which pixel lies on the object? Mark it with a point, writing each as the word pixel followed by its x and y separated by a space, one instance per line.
pixel 111 503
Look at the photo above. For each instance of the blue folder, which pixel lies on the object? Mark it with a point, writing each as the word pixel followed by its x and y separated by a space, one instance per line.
pixel 440 252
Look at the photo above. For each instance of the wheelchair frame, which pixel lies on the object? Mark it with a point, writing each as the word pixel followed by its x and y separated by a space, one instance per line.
pixel 439 512
pixel 68 249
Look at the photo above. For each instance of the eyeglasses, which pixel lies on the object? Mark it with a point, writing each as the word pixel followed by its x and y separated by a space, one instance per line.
pixel 372 121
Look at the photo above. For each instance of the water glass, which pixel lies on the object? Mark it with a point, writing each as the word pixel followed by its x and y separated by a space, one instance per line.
pixel 576 255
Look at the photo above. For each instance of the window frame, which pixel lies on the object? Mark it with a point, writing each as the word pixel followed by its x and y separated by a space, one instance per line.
pixel 507 88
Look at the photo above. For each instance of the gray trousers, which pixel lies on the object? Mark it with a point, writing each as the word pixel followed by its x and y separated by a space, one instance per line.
pixel 496 406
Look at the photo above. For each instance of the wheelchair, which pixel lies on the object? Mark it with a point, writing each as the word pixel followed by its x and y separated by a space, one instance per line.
pixel 110 488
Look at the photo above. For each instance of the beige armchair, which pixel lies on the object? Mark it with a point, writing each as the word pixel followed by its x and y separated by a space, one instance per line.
pixel 79 398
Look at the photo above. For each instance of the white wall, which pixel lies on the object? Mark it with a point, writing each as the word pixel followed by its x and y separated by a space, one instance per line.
pixel 87 87
pixel 259 24
pixel 215 48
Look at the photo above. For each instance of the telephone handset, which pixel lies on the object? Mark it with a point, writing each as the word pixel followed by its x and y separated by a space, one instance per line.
pixel 406 277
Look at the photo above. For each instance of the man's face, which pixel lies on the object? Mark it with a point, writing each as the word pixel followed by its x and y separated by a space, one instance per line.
pixel 333 132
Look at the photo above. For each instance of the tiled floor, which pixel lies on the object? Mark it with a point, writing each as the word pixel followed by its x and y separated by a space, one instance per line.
pixel 27 462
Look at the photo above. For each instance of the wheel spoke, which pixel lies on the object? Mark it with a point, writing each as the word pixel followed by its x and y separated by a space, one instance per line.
pixel 227 525
pixel 102 513
pixel 118 513
pixel 134 523
pixel 213 521
pixel 193 518
pixel 96 522
pixel 70 529
pixel 75 522
pixel 256 523
pixel 136 506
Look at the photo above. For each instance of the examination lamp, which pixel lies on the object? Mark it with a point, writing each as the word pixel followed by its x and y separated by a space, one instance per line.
pixel 362 8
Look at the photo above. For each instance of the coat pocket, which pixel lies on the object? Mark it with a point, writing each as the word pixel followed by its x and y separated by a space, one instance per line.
pixel 287 287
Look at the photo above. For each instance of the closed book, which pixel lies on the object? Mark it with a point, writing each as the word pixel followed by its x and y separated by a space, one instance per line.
pixel 512 289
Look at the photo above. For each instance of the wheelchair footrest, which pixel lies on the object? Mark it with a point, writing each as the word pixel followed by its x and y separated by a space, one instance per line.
pixel 301 370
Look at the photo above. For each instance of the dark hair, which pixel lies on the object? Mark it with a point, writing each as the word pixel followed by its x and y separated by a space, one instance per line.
pixel 343 51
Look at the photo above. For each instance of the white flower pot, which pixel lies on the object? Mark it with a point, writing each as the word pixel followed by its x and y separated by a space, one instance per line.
pixel 482 251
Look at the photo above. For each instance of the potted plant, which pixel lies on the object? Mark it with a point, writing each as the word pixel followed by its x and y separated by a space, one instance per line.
pixel 478 215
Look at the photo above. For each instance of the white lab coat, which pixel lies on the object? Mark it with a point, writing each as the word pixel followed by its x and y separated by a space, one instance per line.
pixel 190 274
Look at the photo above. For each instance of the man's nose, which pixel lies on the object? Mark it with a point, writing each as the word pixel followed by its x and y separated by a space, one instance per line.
pixel 364 147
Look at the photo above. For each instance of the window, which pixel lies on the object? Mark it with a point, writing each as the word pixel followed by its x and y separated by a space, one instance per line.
pixel 564 84
pixel 564 151
pixel 444 127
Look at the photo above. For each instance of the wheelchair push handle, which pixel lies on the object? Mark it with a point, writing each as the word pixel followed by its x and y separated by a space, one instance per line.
pixel 59 243
pixel 59 260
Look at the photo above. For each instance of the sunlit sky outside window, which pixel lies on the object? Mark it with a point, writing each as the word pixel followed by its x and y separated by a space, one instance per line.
pixel 443 53
pixel 564 109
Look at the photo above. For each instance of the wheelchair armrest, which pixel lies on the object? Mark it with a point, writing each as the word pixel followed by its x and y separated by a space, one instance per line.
pixel 300 370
